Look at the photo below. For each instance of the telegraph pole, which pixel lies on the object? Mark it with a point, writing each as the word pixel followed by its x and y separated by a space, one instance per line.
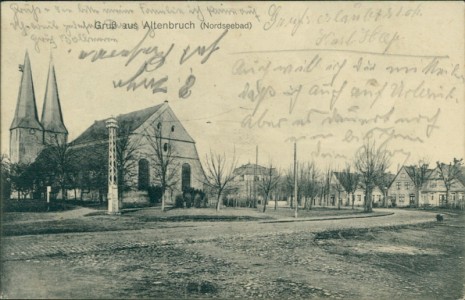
pixel 295 180
pixel 255 175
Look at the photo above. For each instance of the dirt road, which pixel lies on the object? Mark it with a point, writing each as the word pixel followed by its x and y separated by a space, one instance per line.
pixel 347 258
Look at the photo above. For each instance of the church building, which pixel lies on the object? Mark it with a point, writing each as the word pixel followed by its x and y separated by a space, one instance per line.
pixel 28 135
pixel 87 177
pixel 137 135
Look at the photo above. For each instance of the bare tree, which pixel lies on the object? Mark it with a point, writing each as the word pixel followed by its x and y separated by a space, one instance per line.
pixel 371 162
pixel 164 160
pixel 288 186
pixel 268 184
pixel 219 174
pixel 349 181
pixel 339 189
pixel 449 174
pixel 326 186
pixel 127 146
pixel 21 179
pixel 309 177
pixel 59 160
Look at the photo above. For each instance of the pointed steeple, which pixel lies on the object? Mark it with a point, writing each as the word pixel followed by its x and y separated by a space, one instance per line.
pixel 26 109
pixel 52 118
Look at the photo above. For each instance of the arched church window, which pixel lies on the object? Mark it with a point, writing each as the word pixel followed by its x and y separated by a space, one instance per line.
pixel 165 147
pixel 159 125
pixel 144 174
pixel 186 176
pixel 172 128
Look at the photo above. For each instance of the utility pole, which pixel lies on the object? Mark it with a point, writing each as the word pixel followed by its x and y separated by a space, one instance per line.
pixel 254 177
pixel 295 180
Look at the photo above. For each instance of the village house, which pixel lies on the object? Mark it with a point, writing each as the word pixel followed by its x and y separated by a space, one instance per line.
pixel 434 192
pixel 402 192
pixel 246 183
pixel 337 190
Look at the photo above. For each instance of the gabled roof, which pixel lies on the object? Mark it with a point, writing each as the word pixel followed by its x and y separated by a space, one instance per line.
pixel 410 170
pixel 52 118
pixel 99 132
pixel 249 169
pixel 26 110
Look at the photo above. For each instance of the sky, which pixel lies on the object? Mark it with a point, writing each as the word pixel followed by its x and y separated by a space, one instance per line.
pixel 321 65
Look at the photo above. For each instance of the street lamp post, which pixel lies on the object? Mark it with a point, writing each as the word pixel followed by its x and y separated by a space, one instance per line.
pixel 112 197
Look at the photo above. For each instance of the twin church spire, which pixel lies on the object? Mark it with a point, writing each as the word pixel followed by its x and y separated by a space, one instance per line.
pixel 28 135
pixel 26 110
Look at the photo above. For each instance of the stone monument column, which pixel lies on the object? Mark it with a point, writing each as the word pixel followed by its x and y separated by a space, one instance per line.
pixel 113 204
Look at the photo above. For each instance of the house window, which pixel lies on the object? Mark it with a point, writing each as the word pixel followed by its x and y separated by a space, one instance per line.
pixel 406 185
pixel 402 175
pixel 398 185
pixel 144 174
pixel 186 176
pixel 401 198
pixel 432 196
pixel 412 199
pixel 359 198
pixel 433 184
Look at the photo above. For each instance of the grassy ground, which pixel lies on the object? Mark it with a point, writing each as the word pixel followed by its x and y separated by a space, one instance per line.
pixel 89 220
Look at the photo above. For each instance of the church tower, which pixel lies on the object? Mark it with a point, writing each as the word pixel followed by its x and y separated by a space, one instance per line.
pixel 26 132
pixel 55 132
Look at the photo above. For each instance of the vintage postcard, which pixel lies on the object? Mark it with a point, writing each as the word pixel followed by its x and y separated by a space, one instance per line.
pixel 270 150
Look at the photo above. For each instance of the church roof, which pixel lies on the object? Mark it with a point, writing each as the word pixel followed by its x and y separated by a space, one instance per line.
pixel 26 110
pixel 98 130
pixel 52 118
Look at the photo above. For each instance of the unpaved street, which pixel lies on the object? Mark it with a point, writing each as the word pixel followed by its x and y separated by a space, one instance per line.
pixel 342 259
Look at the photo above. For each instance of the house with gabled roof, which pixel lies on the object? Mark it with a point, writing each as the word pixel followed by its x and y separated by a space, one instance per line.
pixel 434 192
pixel 247 180
pixel 402 191
pixel 139 128
pixel 337 190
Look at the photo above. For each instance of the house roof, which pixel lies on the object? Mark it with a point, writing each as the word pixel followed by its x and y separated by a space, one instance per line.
pixel 52 118
pixel 98 130
pixel 249 169
pixel 26 110
pixel 411 172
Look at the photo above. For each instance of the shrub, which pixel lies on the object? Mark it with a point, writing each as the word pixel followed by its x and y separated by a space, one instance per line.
pixel 194 197
pixel 188 199
pixel 155 194
pixel 179 201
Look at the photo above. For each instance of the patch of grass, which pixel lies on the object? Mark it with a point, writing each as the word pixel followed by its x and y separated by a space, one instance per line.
pixel 198 218
pixel 35 206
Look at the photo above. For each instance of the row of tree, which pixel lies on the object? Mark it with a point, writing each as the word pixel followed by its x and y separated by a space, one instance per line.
pixel 67 167
pixel 368 170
